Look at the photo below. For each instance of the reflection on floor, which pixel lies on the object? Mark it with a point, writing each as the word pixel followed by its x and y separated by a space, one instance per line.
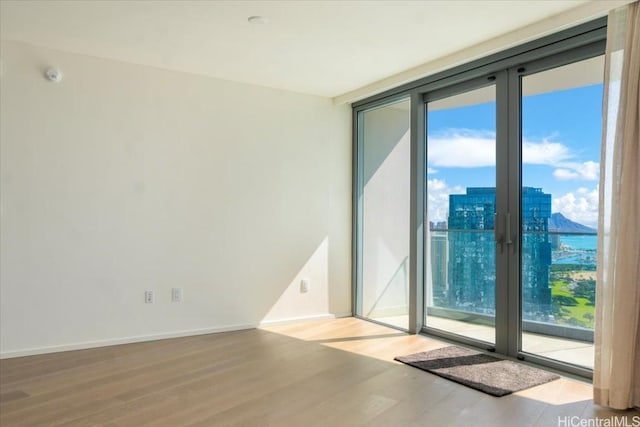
pixel 575 352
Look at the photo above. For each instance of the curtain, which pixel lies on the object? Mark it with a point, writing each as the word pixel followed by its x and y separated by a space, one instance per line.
pixel 616 374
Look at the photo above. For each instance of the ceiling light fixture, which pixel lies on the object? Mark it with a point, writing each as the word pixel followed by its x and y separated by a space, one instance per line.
pixel 257 19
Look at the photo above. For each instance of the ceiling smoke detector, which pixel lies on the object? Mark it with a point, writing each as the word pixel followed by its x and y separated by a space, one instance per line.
pixel 53 74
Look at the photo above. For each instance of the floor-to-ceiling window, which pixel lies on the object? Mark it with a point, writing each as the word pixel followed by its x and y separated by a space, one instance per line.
pixel 507 190
pixel 383 203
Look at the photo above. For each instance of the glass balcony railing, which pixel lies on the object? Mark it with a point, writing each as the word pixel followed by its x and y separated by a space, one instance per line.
pixel 558 276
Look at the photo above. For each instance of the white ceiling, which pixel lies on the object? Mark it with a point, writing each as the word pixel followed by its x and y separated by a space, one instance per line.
pixel 325 48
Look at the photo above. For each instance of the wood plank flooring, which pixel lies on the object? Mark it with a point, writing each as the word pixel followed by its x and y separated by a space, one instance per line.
pixel 325 373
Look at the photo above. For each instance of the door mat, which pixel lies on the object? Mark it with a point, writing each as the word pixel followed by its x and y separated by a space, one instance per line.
pixel 480 371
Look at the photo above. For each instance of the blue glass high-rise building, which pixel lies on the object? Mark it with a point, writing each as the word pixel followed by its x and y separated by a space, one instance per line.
pixel 439 255
pixel 471 259
pixel 472 272
pixel 536 254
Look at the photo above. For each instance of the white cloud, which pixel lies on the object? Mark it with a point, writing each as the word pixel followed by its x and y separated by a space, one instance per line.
pixel 590 170
pixel 544 152
pixel 446 150
pixel 583 190
pixel 580 206
pixel 432 170
pixel 587 171
pixel 565 174
pixel 479 149
pixel 465 148
pixel 438 199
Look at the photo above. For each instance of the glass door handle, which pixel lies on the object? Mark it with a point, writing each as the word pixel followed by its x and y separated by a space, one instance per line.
pixel 508 231
pixel 498 237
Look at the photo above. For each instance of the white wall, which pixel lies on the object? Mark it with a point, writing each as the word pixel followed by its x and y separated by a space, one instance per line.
pixel 123 178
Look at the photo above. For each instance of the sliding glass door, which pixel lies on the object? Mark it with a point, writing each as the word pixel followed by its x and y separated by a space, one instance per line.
pixel 561 131
pixel 460 282
pixel 476 201
pixel 511 210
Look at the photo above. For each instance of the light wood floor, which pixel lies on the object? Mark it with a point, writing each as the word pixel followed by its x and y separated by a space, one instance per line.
pixel 334 373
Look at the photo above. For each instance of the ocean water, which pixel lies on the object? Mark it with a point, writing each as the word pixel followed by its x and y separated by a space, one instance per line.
pixel 576 249
pixel 579 243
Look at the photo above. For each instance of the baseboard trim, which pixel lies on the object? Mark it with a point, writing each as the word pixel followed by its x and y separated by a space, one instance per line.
pixel 297 319
pixel 343 315
pixel 154 337
pixel 118 341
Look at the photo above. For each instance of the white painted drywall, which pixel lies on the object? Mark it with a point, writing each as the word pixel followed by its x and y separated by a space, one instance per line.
pixel 123 178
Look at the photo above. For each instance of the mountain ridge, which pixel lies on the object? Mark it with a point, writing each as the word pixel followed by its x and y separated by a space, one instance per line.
pixel 561 224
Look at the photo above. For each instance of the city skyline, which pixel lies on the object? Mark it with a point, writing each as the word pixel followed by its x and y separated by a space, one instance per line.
pixel 556 267
pixel 465 279
pixel 561 143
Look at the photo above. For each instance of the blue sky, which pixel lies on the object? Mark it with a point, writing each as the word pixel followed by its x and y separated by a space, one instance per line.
pixel 561 150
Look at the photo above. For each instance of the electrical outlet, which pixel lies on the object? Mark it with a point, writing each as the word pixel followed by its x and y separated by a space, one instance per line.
pixel 304 286
pixel 176 294
pixel 148 297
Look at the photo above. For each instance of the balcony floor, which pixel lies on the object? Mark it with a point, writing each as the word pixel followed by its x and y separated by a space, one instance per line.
pixel 565 350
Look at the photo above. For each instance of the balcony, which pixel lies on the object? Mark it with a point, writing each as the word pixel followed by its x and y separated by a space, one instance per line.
pixel 558 291
pixel 572 351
